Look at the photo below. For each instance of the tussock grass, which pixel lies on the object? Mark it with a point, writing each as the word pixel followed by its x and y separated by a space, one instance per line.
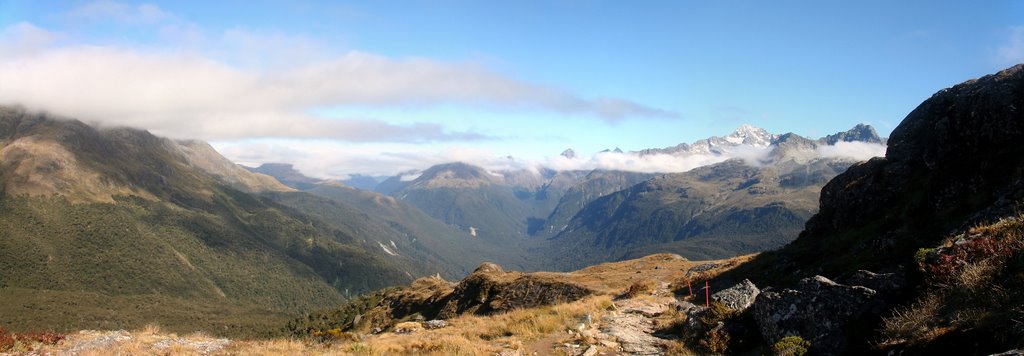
pixel 974 281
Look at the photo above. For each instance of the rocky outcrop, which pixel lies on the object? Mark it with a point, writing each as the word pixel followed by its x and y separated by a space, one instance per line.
pixel 491 290
pixel 955 161
pixel 738 297
pixel 817 311
pixel 956 154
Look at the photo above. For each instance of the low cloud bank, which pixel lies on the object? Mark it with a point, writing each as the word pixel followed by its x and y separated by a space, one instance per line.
pixel 328 160
pixel 860 151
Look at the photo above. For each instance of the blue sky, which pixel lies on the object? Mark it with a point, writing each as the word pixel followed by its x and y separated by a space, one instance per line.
pixel 382 86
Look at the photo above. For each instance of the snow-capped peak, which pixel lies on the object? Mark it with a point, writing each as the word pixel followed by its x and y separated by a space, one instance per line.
pixel 750 135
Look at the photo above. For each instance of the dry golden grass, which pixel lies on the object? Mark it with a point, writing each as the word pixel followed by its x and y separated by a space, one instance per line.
pixel 914 323
pixel 616 277
pixel 528 330
pixel 465 335
pixel 535 329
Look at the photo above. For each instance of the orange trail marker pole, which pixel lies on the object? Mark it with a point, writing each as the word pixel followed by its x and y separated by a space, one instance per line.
pixel 707 294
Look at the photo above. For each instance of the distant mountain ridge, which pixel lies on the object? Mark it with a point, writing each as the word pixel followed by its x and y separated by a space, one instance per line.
pixel 753 137
pixel 527 207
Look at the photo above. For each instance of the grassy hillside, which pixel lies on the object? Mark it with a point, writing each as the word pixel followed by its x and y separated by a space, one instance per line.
pixel 120 213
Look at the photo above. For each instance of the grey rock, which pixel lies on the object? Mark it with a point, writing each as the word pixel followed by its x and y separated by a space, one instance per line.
pixel 633 333
pixel 693 315
pixel 435 324
pixel 816 311
pixel 104 340
pixel 880 282
pixel 701 268
pixel 684 307
pixel 738 297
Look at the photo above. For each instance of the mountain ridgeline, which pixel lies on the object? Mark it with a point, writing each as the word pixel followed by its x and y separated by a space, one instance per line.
pixel 542 219
pixel 125 217
pixel 578 218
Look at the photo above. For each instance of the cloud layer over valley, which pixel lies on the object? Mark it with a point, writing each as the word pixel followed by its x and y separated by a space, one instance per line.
pixel 331 160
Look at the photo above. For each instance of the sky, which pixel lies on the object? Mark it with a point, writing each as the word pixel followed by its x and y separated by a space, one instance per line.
pixel 381 87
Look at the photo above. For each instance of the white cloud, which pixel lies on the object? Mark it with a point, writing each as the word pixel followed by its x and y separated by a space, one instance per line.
pixel 1012 52
pixel 206 95
pixel 330 159
pixel 334 160
pixel 25 39
pixel 860 151
pixel 106 10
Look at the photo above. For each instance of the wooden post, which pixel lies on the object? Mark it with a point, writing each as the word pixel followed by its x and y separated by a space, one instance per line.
pixel 707 294
pixel 689 286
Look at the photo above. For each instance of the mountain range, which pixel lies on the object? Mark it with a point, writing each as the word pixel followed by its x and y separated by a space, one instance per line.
pixel 918 252
pixel 123 216
pixel 757 197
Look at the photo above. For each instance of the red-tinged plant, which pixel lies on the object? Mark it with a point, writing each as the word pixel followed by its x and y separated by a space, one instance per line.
pixel 945 267
pixel 8 340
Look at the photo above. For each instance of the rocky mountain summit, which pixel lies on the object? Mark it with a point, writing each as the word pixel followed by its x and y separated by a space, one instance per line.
pixel 859 133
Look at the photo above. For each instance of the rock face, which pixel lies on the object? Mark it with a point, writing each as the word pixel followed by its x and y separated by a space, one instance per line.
pixel 817 311
pixel 738 297
pixel 490 290
pixel 957 153
pixel 955 161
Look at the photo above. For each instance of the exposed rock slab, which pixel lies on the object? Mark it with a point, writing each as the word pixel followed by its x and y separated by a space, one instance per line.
pixel 817 311
pixel 738 297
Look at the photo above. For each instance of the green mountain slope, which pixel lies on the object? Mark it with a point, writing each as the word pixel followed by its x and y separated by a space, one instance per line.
pixel 470 199
pixel 717 211
pixel 416 240
pixel 123 213
pixel 712 212
pixel 576 189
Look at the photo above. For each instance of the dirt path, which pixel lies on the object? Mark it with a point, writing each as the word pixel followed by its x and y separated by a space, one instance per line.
pixel 629 329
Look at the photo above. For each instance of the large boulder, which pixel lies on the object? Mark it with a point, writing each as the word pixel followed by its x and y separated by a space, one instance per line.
pixel 817 311
pixel 738 297
pixel 490 290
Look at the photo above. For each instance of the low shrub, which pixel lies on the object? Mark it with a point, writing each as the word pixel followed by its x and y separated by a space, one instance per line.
pixel 791 346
